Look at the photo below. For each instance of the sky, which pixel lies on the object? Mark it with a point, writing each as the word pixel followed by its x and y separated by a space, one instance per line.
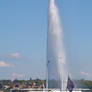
pixel 23 37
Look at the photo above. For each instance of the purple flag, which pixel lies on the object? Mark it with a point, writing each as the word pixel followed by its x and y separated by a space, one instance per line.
pixel 70 84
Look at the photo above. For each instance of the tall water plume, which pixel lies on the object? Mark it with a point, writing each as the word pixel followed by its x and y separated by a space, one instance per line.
pixel 56 57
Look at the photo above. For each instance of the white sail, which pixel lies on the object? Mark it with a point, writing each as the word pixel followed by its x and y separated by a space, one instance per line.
pixel 56 58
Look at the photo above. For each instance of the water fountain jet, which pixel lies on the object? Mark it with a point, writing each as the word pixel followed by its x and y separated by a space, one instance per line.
pixel 56 57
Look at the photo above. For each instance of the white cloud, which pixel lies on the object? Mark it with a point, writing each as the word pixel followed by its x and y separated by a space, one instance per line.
pixel 3 64
pixel 15 55
pixel 86 74
pixel 16 75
